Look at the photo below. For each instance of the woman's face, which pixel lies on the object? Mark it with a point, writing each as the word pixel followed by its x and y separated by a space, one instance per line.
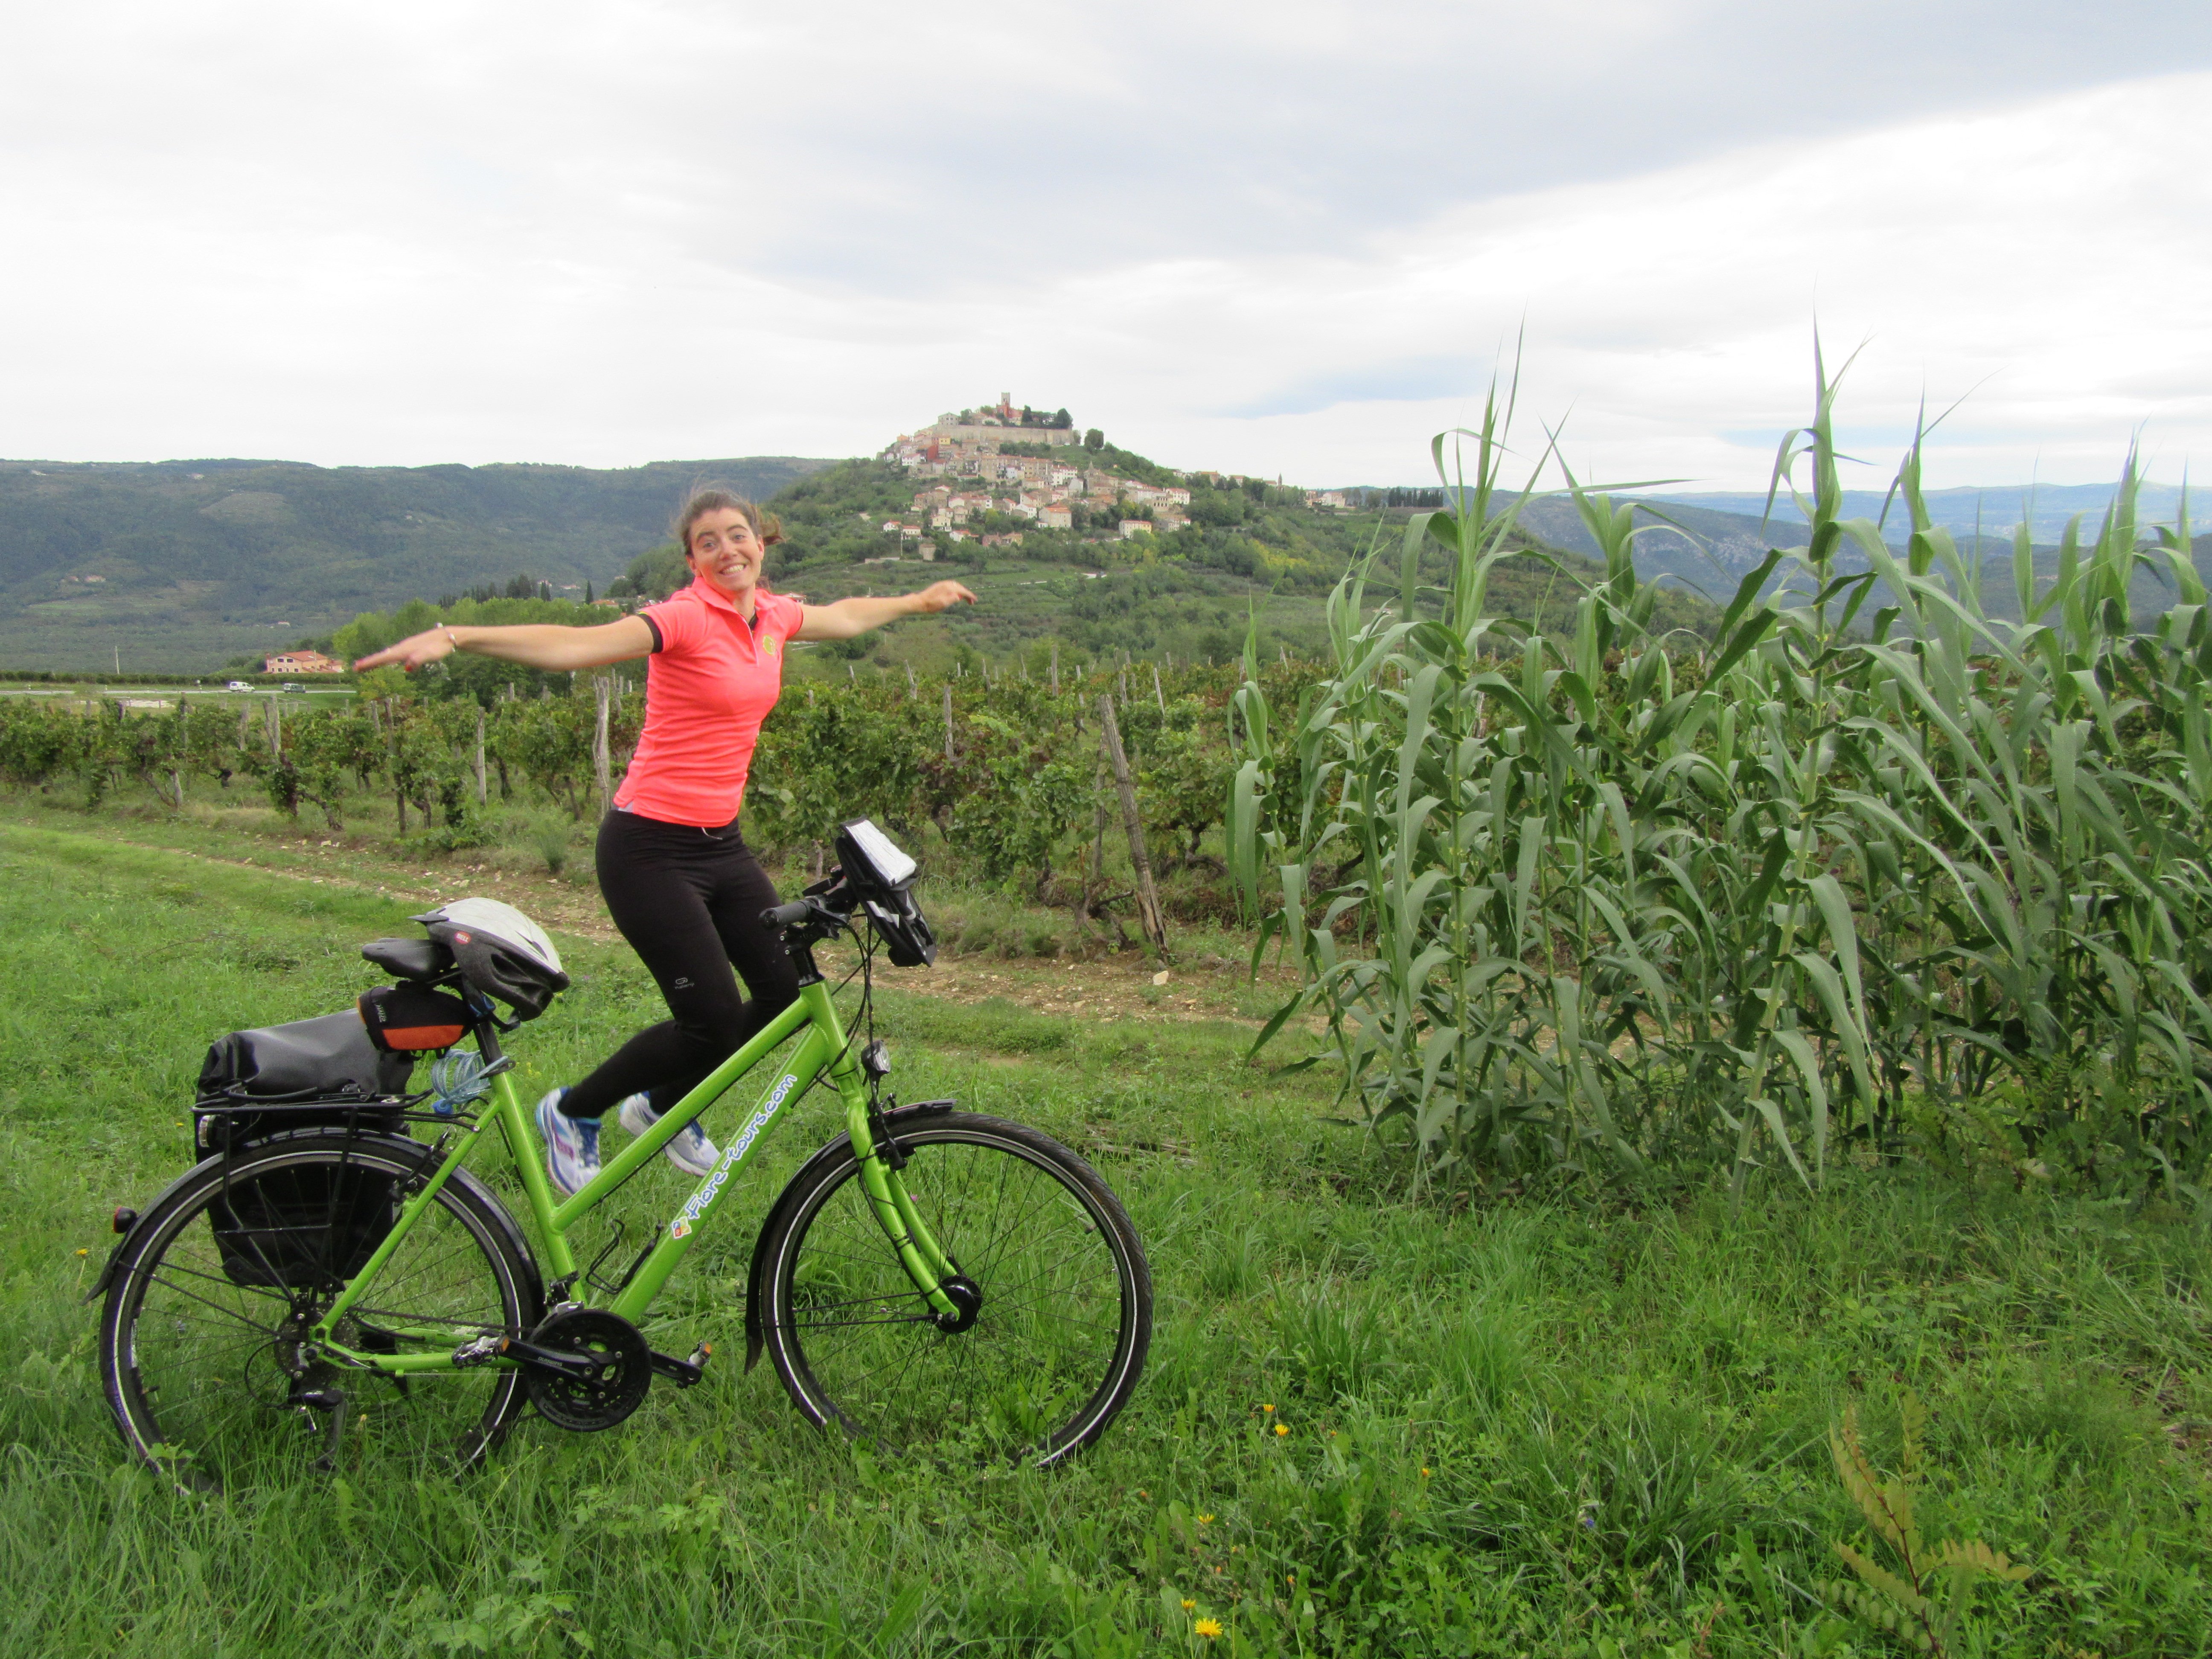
pixel 724 551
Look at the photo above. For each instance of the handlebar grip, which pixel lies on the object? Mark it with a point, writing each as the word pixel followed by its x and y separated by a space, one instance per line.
pixel 787 916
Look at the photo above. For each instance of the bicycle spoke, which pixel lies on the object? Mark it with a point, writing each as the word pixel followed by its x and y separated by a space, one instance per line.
pixel 1037 1366
pixel 206 1354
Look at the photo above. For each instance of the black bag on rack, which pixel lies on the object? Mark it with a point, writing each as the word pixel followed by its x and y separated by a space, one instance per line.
pixel 314 1073
pixel 310 1227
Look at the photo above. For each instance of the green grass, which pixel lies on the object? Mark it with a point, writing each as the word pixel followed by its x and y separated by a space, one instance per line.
pixel 1620 1401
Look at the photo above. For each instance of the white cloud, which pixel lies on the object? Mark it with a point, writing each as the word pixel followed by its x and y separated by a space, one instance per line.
pixel 2049 258
pixel 1287 239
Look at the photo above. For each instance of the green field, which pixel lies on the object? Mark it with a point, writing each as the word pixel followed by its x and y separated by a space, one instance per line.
pixel 1578 1420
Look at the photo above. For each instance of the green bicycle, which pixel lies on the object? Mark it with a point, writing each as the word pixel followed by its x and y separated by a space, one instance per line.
pixel 932 1279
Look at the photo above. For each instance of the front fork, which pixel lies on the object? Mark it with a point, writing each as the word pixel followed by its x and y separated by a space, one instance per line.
pixel 919 1252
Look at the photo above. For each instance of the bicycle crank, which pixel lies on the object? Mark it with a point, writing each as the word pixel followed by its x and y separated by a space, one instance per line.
pixel 586 1369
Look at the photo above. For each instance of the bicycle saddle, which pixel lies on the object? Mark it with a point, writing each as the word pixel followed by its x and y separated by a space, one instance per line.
pixel 409 958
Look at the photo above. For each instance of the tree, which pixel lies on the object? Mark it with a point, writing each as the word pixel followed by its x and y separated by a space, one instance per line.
pixel 653 574
pixel 1094 440
pixel 550 740
pixel 36 739
pixel 1026 794
pixel 327 748
pixel 1061 420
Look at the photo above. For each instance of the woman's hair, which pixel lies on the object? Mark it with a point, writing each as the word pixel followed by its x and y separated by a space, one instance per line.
pixel 714 499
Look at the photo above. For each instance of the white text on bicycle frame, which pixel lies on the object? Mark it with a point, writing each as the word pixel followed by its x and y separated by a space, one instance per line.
pixel 696 1203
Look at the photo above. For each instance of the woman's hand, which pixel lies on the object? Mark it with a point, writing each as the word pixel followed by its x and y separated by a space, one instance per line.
pixel 432 645
pixel 848 618
pixel 549 646
pixel 942 596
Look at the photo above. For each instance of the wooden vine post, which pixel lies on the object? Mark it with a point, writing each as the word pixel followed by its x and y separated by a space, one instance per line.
pixel 483 794
pixel 602 756
pixel 948 722
pixel 1148 898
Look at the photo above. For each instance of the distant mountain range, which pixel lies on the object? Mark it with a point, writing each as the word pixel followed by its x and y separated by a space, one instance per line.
pixel 183 565
pixel 186 564
pixel 1995 510
pixel 1708 541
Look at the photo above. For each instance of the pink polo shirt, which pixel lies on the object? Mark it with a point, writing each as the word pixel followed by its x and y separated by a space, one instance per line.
pixel 709 683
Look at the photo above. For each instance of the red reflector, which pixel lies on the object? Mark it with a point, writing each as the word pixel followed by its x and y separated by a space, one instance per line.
pixel 422 1036
pixel 124 1220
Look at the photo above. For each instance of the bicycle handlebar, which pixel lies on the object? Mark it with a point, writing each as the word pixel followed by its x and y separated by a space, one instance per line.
pixel 787 916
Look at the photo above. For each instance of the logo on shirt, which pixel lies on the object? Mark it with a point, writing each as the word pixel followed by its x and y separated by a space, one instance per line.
pixel 772 646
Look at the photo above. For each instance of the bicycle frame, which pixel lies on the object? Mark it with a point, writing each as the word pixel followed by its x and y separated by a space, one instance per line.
pixel 822 1046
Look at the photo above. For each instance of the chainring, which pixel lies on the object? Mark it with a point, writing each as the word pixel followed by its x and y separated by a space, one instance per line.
pixel 625 1370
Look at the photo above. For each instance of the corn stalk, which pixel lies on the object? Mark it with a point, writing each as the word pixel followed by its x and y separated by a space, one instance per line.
pixel 1869 862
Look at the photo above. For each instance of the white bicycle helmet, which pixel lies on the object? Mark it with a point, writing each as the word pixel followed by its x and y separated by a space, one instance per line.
pixel 500 952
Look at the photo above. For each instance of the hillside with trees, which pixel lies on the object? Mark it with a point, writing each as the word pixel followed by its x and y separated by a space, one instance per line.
pixel 185 564
pixel 1184 593
pixel 187 567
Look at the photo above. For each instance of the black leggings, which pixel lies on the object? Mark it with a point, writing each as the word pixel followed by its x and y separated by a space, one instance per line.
pixel 689 901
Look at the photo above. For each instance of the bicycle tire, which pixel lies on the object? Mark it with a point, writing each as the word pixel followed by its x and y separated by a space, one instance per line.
pixel 200 1339
pixel 1057 1345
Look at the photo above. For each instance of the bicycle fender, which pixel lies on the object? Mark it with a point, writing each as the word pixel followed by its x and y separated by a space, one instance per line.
pixel 99 1286
pixel 841 1147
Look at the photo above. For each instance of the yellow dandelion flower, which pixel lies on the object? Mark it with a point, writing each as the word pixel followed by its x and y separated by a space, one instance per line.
pixel 1290 1578
pixel 1209 1628
pixel 1188 1604
pixel 1424 1474
pixel 1282 1428
pixel 1205 1519
pixel 84 1252
pixel 1267 1408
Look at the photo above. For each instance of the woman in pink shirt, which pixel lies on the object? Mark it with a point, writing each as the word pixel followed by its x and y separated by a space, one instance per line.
pixel 677 878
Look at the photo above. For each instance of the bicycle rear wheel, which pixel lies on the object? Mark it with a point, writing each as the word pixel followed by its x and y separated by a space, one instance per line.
pixel 202 1348
pixel 1056 1343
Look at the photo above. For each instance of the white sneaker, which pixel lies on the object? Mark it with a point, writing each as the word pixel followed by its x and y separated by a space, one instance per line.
pixel 572 1145
pixel 688 1149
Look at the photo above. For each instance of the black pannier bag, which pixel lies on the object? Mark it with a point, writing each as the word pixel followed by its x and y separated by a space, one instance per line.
pixel 311 1227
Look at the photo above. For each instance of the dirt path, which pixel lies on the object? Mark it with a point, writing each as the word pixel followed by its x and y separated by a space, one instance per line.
pixel 1107 987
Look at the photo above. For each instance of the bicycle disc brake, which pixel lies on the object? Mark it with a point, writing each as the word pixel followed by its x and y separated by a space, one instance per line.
pixel 619 1366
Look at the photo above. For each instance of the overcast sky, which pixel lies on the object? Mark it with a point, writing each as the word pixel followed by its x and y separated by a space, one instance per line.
pixel 1293 238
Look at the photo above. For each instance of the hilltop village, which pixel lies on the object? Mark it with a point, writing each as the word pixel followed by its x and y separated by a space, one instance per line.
pixel 1034 467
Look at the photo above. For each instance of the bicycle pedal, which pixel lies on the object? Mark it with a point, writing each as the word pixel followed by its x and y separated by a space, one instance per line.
pixel 683 1372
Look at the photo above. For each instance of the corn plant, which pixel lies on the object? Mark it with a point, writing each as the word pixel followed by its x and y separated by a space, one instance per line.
pixel 1867 860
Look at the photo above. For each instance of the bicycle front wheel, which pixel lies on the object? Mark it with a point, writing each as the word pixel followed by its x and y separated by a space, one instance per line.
pixel 204 1346
pixel 1063 1312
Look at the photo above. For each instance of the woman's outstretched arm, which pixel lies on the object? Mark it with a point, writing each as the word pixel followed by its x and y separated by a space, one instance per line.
pixel 847 617
pixel 535 645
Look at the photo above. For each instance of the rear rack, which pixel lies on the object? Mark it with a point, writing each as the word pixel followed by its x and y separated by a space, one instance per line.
pixel 362 1113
